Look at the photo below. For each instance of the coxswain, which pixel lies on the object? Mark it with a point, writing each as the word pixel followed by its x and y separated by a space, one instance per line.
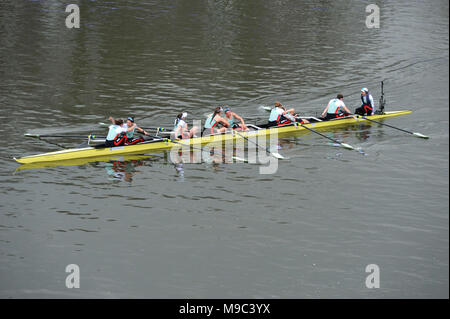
pixel 368 105
pixel 213 122
pixel 229 116
pixel 336 108
pixel 281 116
pixel 181 128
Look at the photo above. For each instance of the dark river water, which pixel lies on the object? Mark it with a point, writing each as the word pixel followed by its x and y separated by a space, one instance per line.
pixel 147 229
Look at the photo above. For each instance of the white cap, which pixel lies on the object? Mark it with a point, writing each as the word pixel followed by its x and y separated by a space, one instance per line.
pixel 184 115
pixel 364 90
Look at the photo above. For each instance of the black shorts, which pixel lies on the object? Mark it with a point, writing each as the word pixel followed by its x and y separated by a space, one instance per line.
pixel 331 116
pixel 364 110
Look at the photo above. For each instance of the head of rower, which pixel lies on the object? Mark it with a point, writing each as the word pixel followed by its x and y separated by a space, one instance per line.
pixel 278 104
pixel 227 111
pixel 118 122
pixel 340 96
pixel 130 121
pixel 364 91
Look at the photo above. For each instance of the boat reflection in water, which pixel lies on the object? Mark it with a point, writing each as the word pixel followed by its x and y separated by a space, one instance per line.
pixel 123 170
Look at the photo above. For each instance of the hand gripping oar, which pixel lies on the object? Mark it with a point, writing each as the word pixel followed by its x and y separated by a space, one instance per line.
pixel 347 146
pixel 276 155
pixel 397 128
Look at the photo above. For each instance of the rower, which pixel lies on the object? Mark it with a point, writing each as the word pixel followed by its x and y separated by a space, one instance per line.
pixel 116 134
pixel 336 108
pixel 229 116
pixel 215 120
pixel 130 127
pixel 280 116
pixel 181 129
pixel 368 105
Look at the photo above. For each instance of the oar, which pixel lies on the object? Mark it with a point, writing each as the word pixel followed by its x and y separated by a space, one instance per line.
pixel 347 146
pixel 276 155
pixel 159 129
pixel 65 136
pixel 397 128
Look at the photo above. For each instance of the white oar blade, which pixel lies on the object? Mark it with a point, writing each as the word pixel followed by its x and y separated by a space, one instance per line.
pixel 420 135
pixel 239 159
pixel 277 155
pixel 347 146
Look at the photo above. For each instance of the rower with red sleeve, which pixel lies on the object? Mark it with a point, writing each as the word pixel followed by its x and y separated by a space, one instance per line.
pixel 116 134
pixel 213 122
pixel 336 108
pixel 280 116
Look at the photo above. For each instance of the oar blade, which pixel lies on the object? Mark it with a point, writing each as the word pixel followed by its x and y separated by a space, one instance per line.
pixel 277 155
pixel 31 135
pixel 421 135
pixel 347 146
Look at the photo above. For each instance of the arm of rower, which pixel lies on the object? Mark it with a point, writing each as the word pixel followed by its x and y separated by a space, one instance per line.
pixel 131 128
pixel 240 119
pixel 326 110
pixel 141 130
pixel 373 103
pixel 243 126
pixel 223 121
pixel 347 110
pixel 177 132
pixel 292 111
pixel 111 119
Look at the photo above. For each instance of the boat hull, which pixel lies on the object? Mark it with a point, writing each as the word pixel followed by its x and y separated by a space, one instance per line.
pixel 166 144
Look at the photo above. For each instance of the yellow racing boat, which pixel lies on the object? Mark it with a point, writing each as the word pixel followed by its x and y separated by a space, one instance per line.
pixel 165 144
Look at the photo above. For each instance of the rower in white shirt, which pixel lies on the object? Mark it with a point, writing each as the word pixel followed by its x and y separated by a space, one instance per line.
pixel 116 134
pixel 336 108
pixel 181 128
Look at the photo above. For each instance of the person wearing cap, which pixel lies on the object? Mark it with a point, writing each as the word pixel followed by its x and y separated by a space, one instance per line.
pixel 368 105
pixel 280 116
pixel 336 108
pixel 229 116
pixel 213 122
pixel 181 128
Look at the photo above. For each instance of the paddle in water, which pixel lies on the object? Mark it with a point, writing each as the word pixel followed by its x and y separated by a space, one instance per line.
pixel 347 146
pixel 397 128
